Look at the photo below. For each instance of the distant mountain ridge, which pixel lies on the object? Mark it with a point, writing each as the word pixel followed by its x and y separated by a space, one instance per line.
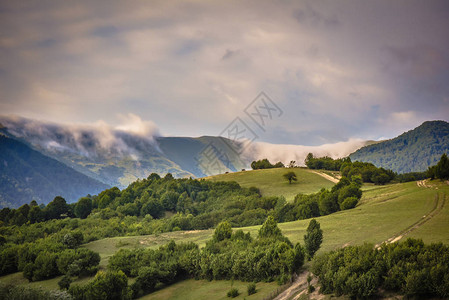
pixel 412 151
pixel 26 174
pixel 117 157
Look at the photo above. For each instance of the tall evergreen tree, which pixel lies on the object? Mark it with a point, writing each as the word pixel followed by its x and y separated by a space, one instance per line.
pixel 313 238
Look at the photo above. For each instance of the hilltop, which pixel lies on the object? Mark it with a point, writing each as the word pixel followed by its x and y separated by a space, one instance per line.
pixel 270 182
pixel 412 151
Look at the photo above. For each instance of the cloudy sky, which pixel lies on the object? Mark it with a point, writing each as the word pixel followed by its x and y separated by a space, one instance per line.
pixel 336 69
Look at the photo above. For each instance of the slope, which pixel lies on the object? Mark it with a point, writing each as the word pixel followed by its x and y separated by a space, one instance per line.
pixel 412 151
pixel 272 183
pixel 26 174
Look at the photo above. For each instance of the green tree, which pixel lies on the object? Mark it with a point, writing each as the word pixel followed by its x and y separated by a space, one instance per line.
pixel 290 176
pixel 109 285
pixel 83 207
pixel 442 168
pixel 223 231
pixel 313 238
pixel 269 229
pixel 56 209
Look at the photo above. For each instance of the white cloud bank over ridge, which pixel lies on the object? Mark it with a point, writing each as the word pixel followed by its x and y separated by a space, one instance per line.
pixel 133 136
pixel 298 153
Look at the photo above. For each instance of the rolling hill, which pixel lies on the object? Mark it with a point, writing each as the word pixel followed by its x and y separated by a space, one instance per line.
pixel 26 174
pixel 272 183
pixel 412 151
pixel 379 217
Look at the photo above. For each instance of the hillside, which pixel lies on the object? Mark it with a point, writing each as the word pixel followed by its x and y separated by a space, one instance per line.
pixel 412 151
pixel 26 174
pixel 272 183
pixel 379 217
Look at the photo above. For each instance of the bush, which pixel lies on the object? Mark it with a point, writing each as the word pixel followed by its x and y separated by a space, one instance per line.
pixel 251 289
pixel 349 203
pixel 65 282
pixel 232 293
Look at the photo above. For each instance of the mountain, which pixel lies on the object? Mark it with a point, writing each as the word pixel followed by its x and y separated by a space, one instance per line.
pixel 117 157
pixel 412 151
pixel 120 155
pixel 26 174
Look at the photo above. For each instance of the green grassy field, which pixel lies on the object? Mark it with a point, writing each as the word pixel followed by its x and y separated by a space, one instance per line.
pixel 272 183
pixel 202 289
pixel 383 212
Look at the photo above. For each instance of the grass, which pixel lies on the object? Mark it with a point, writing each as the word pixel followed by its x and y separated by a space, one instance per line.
pixel 202 289
pixel 107 247
pixel 272 183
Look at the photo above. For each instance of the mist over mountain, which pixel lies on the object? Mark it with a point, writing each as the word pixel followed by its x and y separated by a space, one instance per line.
pixel 134 149
pixel 412 151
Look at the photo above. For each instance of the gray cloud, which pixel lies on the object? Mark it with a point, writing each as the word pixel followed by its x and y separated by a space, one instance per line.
pixel 193 66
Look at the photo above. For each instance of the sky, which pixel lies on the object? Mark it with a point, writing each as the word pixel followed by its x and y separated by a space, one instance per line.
pixel 336 70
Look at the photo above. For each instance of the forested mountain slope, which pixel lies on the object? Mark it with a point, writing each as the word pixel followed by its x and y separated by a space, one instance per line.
pixel 412 151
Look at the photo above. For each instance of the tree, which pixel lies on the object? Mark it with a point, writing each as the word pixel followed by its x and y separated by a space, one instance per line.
pixel 83 207
pixel 56 209
pixel 313 238
pixel 290 176
pixel 269 229
pixel 223 231
pixel 442 168
pixel 292 164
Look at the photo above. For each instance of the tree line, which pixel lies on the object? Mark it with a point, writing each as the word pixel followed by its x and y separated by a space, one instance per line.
pixel 343 195
pixel 372 174
pixel 411 268
pixel 265 164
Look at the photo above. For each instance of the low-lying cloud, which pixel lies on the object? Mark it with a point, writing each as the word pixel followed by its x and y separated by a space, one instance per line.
pixel 129 138
pixel 298 153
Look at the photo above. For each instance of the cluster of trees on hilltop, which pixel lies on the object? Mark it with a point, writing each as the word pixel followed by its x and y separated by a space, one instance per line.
pixel 325 162
pixel 367 171
pixel 265 164
pixel 411 268
pixel 370 173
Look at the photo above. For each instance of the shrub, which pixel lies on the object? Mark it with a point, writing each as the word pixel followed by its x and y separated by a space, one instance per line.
pixel 232 293
pixel 349 203
pixel 65 282
pixel 251 288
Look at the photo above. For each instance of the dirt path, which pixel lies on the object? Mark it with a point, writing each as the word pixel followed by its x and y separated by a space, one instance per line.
pixel 328 177
pixel 440 201
pixel 299 284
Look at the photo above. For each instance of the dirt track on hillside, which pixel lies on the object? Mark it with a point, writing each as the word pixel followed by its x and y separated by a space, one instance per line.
pixel 440 201
pixel 328 177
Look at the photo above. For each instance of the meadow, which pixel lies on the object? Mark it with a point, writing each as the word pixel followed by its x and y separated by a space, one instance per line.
pixel 272 183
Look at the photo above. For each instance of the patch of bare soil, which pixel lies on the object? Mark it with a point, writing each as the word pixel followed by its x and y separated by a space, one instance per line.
pixel 328 177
